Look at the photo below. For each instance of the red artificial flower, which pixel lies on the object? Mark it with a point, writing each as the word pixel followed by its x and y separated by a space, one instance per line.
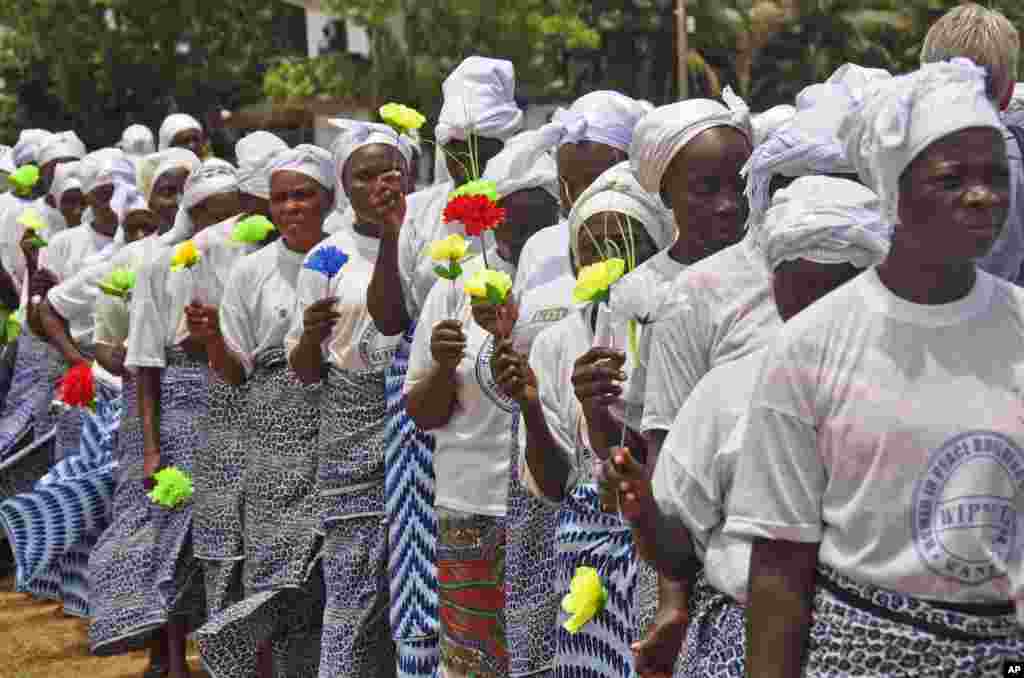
pixel 76 387
pixel 477 213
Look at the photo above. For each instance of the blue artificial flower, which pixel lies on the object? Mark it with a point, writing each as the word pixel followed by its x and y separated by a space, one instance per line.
pixel 327 260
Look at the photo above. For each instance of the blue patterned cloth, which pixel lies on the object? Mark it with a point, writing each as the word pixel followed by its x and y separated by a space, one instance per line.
pixel 716 637
pixel 409 493
pixel 29 396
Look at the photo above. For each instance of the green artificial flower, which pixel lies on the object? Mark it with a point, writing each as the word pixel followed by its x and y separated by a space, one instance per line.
pixel 119 283
pixel 252 230
pixel 24 179
pixel 173 488
pixel 483 187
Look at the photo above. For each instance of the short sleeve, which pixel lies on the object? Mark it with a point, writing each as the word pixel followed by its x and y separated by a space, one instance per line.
pixel 75 298
pixel 236 324
pixel 148 331
pixel 112 321
pixel 563 417
pixel 780 476
pixel 679 360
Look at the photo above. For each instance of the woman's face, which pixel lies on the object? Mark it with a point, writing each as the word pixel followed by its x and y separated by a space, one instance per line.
pixel 166 194
pixel 99 200
pixel 799 283
pixel 526 212
pixel 704 188
pixel 298 207
pixel 364 169
pixel 579 165
pixel 192 139
pixel 139 224
pixel 607 233
pixel 457 155
pixel 214 210
pixel 72 205
pixel 954 198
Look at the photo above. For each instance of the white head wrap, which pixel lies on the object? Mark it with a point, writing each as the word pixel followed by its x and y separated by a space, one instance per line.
pixel 137 140
pixel 523 164
pixel 66 177
pixel 254 152
pixel 602 117
pixel 28 145
pixel 355 135
pixel 617 190
pixel 212 177
pixel 808 144
pixel 665 131
pixel 155 165
pixel 769 121
pixel 7 159
pixel 125 201
pixel 827 221
pixel 104 167
pixel 312 161
pixel 1014 113
pixel 173 124
pixel 60 145
pixel 902 117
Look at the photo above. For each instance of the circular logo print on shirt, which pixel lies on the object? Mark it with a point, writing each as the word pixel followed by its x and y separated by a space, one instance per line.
pixel 963 513
pixel 486 380
pixel 374 355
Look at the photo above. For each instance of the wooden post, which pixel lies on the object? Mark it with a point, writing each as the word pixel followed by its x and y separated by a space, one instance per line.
pixel 683 50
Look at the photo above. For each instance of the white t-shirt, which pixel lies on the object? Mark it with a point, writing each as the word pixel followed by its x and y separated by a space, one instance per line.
pixel 259 301
pixel 725 311
pixel 694 473
pixel 340 220
pixel 893 434
pixel 11 256
pixel 355 344
pixel 112 316
pixel 471 456
pixel 545 257
pixel 540 307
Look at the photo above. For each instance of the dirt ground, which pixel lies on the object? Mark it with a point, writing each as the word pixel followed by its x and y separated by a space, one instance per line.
pixel 38 641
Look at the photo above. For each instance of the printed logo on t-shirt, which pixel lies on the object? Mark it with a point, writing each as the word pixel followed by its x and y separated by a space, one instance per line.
pixel 375 356
pixel 486 379
pixel 964 517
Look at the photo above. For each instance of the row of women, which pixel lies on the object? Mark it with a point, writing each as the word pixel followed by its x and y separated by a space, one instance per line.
pixel 788 441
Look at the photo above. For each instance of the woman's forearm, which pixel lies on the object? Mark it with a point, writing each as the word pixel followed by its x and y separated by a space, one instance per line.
pixel 549 469
pixel 111 359
pixel 665 543
pixel 224 362
pixel 781 598
pixel 56 332
pixel 306 360
pixel 385 298
pixel 8 290
pixel 148 394
pixel 431 402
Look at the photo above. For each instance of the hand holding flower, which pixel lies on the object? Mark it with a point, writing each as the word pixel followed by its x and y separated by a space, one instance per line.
pixel 448 344
pixel 318 320
pixel 203 322
pixel 513 373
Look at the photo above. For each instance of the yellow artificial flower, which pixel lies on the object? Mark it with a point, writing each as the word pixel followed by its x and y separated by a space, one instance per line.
pixel 451 249
pixel 185 256
pixel 402 116
pixel 489 286
pixel 586 598
pixel 31 220
pixel 594 281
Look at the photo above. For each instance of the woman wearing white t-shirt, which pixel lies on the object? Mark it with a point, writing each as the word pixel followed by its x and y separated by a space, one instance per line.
pixel 882 461
pixel 819 233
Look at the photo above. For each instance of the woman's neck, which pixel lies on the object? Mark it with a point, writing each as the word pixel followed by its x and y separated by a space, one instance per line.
pixel 367 229
pixel 927 283
pixel 103 225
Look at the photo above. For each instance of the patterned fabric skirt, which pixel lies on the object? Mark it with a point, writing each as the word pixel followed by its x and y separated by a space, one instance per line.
pixel 863 631
pixel 53 528
pixel 30 394
pixel 589 537
pixel 142 572
pixel 716 637
pixel 68 420
pixel 471 595
pixel 282 597
pixel 531 603
pixel 412 527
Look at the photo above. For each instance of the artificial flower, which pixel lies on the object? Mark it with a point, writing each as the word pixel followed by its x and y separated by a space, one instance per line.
pixel 186 255
pixel 477 213
pixel 487 286
pixel 24 179
pixel 594 281
pixel 31 220
pixel 119 283
pixel 484 187
pixel 77 387
pixel 172 488
pixel 451 251
pixel 586 598
pixel 327 260
pixel 11 325
pixel 252 230
pixel 402 118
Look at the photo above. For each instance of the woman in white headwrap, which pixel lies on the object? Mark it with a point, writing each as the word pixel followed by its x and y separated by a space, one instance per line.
pixel 66 193
pixel 333 339
pixel 180 130
pixel 880 458
pixel 556 464
pixel 137 141
pixel 819 233
pixel 155 576
pixel 450 362
pixel 56 150
pixel 255 152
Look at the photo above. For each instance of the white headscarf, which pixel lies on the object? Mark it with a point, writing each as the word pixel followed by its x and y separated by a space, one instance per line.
pixel 827 221
pixel 137 140
pixel 479 98
pixel 767 122
pixel 126 201
pixel 355 135
pixel 603 117
pixel 901 117
pixel 173 124
pixel 1014 113
pixel 618 190
pixel 523 164
pixel 212 177
pixel 66 177
pixel 312 161
pixel 104 167
pixel 665 131
pixel 28 145
pixel 7 159
pixel 60 145
pixel 155 165
pixel 254 153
